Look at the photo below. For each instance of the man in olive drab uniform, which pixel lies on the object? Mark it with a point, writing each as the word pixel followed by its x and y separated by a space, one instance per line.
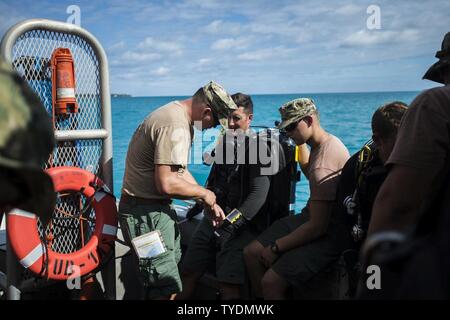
pixel 156 171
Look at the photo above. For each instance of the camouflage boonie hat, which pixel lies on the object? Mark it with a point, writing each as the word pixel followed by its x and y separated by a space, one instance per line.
pixel 434 72
pixel 295 110
pixel 220 101
pixel 26 140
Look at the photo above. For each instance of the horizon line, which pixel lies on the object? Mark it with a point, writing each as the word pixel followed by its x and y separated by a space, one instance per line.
pixel 291 93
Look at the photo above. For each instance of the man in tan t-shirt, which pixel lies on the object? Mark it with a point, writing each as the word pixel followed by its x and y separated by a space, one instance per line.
pixel 297 247
pixel 156 171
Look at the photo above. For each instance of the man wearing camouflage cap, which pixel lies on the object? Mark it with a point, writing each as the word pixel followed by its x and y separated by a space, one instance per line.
pixel 26 141
pixel 156 171
pixel 295 248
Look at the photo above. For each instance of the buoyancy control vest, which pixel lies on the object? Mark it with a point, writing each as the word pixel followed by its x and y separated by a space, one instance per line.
pixel 275 153
pixel 369 173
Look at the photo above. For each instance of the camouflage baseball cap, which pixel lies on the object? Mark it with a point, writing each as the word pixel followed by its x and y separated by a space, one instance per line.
pixel 296 110
pixel 220 101
pixel 26 141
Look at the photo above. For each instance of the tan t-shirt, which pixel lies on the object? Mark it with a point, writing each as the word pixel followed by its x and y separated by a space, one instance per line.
pixel 324 169
pixel 164 137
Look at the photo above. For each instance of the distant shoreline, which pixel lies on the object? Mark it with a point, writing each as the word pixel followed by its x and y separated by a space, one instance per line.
pixel 121 95
pixel 281 94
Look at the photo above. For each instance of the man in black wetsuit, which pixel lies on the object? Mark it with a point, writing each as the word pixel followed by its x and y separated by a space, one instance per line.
pixel 364 173
pixel 361 178
pixel 237 185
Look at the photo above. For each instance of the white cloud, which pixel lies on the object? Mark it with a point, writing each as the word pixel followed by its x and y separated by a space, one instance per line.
pixel 230 43
pixel 202 4
pixel 264 54
pixel 223 27
pixel 366 38
pixel 117 46
pixel 348 9
pixel 140 57
pixel 214 27
pixel 161 71
pixel 202 65
pixel 132 59
pixel 163 46
pixel 303 37
pixel 204 61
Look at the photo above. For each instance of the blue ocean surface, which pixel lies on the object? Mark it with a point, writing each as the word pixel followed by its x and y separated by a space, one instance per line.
pixel 345 115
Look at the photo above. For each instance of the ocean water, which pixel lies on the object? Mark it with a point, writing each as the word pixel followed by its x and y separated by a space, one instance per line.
pixel 345 115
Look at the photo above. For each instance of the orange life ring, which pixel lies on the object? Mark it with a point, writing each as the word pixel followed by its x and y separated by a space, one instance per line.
pixel 24 238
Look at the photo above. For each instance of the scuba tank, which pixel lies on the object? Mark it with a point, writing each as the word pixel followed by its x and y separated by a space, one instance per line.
pixel 281 197
pixel 284 173
pixel 224 172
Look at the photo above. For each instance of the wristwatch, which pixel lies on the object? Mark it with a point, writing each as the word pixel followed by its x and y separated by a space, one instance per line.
pixel 274 248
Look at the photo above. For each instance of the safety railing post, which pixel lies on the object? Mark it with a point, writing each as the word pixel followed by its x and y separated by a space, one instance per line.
pixel 84 138
pixel 12 275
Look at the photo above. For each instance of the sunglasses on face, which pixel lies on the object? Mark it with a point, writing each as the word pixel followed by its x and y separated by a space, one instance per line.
pixel 292 126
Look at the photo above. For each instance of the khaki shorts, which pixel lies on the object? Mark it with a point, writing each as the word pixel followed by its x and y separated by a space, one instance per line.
pixel 159 275
pixel 227 262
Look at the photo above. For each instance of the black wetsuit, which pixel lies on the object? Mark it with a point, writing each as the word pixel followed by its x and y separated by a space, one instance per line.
pixel 372 177
pixel 242 186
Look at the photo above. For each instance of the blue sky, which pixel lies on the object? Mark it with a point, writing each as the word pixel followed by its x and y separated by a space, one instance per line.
pixel 173 47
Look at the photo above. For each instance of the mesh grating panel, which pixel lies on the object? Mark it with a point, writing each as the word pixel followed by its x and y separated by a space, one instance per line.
pixel 84 154
pixel 31 58
pixel 67 232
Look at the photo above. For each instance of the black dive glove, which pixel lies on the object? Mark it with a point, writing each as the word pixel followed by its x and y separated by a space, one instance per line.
pixel 230 225
pixel 195 210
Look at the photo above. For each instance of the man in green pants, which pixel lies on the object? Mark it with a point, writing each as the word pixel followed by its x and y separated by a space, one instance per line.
pixel 156 171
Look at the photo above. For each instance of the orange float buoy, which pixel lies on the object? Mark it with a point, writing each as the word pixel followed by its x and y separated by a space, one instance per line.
pixel 63 82
pixel 25 241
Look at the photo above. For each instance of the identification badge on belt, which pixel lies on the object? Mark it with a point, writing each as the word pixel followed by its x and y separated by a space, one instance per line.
pixel 149 245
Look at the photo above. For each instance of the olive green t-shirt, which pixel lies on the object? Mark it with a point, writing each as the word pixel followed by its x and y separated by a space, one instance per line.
pixel 164 137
